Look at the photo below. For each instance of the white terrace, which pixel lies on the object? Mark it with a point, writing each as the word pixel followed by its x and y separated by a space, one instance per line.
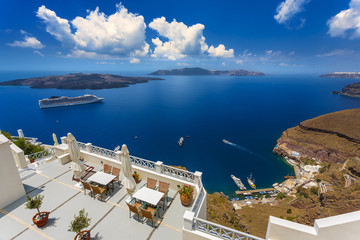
pixel 110 217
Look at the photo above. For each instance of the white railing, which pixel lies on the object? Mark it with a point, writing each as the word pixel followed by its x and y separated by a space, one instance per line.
pixel 143 163
pixel 104 152
pixel 221 231
pixel 42 154
pixel 179 173
pixel 82 146
pixel 198 202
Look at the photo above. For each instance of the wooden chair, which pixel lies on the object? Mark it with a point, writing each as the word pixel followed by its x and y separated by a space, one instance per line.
pixel 164 188
pixel 151 183
pixel 134 207
pixel 86 186
pixel 98 190
pixel 149 213
pixel 107 169
pixel 116 172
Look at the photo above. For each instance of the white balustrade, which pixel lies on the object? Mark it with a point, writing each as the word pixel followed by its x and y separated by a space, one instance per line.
pixel 102 151
pixel 42 154
pixel 178 173
pixel 143 163
pixel 221 231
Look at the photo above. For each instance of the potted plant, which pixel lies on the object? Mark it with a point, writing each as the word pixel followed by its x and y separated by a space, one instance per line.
pixel 136 176
pixel 78 224
pixel 41 218
pixel 186 194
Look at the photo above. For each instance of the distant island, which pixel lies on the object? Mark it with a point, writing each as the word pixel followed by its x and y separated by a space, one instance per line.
pixel 79 81
pixel 200 71
pixel 352 90
pixel 342 75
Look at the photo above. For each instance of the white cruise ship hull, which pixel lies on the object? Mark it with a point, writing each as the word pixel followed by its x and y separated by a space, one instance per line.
pixel 66 102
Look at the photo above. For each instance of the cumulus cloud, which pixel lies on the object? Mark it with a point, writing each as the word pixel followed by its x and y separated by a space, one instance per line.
pixel 119 34
pixel 28 42
pixel 347 22
pixel 183 40
pixel 135 61
pixel 288 9
pixel 220 51
pixel 336 52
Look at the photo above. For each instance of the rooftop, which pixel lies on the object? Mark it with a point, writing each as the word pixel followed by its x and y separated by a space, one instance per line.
pixel 63 199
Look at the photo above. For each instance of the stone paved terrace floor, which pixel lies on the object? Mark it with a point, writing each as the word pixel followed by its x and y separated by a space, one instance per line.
pixel 109 218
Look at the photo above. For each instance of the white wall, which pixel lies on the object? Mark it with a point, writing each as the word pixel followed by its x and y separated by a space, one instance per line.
pixel 344 226
pixel 19 156
pixel 13 189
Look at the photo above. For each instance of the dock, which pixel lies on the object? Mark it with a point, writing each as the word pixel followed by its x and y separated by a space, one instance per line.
pixel 255 191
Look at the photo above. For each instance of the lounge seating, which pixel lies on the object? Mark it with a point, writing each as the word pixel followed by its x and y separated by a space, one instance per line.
pixel 107 169
pixel 116 172
pixel 98 190
pixel 164 188
pixel 149 213
pixel 134 207
pixel 151 183
pixel 86 186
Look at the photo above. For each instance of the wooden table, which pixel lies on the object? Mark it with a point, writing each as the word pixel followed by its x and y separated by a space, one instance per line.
pixel 148 195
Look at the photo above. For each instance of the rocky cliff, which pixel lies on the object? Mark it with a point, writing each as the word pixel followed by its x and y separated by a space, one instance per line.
pixel 200 72
pixel 352 90
pixel 334 137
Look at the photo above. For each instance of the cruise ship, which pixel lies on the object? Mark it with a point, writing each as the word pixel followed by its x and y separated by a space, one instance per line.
pixel 68 101
pixel 238 182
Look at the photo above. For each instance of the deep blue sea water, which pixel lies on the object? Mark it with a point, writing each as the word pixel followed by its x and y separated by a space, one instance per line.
pixel 251 112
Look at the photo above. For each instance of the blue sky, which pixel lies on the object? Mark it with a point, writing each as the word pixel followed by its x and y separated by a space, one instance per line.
pixel 277 36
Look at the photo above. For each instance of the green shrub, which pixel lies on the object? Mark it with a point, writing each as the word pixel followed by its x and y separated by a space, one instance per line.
pixel 80 222
pixel 302 192
pixel 280 195
pixel 314 190
pixel 309 161
pixel 27 147
pixel 291 218
pixel 289 211
pixel 35 202
pixel 6 134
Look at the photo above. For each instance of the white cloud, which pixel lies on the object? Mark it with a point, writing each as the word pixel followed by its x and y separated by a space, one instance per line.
pixel 28 42
pixel 105 63
pixel 287 9
pixel 240 61
pixel 336 52
pixel 38 53
pixel 220 51
pixel 347 22
pixel 292 53
pixel 272 53
pixel 183 40
pixel 135 61
pixel 119 34
pixel 24 32
pixel 76 53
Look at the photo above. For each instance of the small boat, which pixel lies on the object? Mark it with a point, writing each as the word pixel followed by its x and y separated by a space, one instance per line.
pixel 262 192
pixel 226 141
pixel 238 182
pixel 251 181
pixel 181 141
pixel 289 177
pixel 246 193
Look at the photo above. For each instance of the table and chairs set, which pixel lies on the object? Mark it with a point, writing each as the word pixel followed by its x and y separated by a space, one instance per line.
pixel 146 201
pixel 102 182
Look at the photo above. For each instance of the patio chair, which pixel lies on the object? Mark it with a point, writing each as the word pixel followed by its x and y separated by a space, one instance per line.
pixel 134 207
pixel 86 186
pixel 107 168
pixel 164 188
pixel 149 213
pixel 98 190
pixel 116 172
pixel 151 183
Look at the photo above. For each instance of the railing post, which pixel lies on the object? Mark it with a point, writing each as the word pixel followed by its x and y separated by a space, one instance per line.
pixel 188 220
pixel 88 147
pixel 159 167
pixel 197 180
pixel 63 140
pixel 117 156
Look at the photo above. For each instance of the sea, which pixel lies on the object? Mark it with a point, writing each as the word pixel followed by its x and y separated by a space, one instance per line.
pixel 251 112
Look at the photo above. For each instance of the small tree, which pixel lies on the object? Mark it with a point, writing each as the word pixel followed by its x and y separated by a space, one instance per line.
pixel 35 202
pixel 80 222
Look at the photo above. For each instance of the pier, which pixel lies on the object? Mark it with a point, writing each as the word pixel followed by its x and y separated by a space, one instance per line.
pixel 254 191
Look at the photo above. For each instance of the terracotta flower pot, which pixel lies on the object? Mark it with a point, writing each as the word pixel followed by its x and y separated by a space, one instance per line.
pixel 40 222
pixel 186 201
pixel 85 233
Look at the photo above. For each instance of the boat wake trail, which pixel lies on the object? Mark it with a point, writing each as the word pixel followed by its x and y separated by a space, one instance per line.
pixel 237 146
